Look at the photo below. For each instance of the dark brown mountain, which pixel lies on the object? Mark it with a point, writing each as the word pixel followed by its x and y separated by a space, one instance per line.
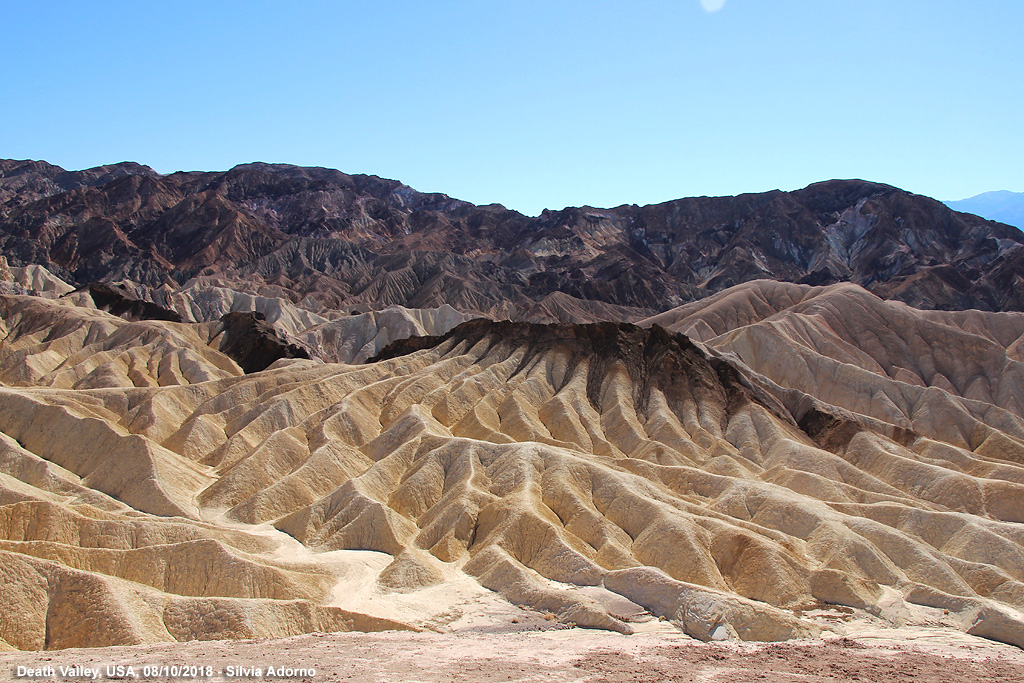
pixel 26 180
pixel 336 239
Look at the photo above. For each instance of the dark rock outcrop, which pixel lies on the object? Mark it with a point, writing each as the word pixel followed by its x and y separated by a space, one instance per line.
pixel 120 301
pixel 253 343
pixel 651 356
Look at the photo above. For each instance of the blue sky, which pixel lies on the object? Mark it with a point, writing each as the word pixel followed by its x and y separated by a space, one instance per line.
pixel 530 104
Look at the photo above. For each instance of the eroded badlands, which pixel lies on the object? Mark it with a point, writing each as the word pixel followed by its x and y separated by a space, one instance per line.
pixel 768 463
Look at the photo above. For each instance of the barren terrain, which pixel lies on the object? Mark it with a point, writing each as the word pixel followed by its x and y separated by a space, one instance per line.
pixel 330 404
pixel 802 457
pixel 556 656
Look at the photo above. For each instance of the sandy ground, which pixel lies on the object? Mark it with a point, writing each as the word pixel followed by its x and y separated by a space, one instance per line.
pixel 657 653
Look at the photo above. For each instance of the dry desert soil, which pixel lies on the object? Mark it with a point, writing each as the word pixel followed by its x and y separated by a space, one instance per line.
pixel 658 653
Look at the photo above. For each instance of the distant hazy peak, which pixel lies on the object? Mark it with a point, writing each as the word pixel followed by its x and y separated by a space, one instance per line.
pixel 999 205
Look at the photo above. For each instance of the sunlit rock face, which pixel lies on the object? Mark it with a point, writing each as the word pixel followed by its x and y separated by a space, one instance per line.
pixel 734 466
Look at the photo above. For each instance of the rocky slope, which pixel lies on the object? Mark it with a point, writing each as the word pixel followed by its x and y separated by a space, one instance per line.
pixel 805 450
pixel 334 240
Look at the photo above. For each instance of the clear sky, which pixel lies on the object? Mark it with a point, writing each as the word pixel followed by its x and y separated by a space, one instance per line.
pixel 530 104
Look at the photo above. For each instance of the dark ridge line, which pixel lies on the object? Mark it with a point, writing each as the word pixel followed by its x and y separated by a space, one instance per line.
pixel 652 356
pixel 117 300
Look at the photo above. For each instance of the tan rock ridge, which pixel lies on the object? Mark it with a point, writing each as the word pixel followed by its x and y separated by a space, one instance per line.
pixel 55 343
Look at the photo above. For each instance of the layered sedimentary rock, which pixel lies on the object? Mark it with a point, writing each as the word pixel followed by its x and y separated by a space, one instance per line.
pixel 798 448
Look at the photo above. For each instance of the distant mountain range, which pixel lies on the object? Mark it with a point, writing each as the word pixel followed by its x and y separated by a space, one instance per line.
pixel 333 240
pixel 1003 206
